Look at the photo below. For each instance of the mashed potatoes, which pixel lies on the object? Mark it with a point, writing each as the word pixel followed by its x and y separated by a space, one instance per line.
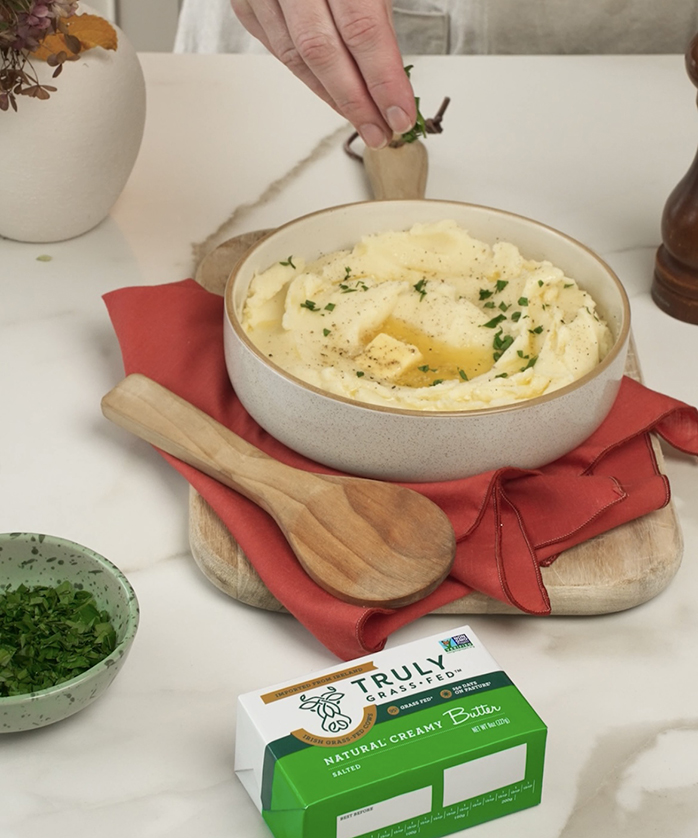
pixel 426 319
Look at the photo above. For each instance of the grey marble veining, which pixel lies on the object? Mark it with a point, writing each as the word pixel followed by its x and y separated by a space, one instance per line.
pixel 243 212
pixel 638 779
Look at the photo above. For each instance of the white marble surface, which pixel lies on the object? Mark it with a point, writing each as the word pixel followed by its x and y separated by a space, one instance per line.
pixel 592 146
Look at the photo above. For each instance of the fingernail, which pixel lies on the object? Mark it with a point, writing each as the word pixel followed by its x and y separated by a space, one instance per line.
pixel 398 119
pixel 373 136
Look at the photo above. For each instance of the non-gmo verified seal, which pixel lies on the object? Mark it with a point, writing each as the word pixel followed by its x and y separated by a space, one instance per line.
pixel 456 643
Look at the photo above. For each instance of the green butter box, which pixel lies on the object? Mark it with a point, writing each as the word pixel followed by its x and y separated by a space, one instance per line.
pixel 423 739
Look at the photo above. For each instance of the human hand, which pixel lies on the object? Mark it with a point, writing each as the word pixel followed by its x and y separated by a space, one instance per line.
pixel 343 50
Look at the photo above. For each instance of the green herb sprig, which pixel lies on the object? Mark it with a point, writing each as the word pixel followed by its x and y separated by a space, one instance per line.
pixel 500 344
pixel 421 288
pixel 359 285
pixel 419 129
pixel 494 322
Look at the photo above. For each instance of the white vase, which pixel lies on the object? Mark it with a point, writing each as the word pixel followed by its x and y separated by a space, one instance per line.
pixel 65 160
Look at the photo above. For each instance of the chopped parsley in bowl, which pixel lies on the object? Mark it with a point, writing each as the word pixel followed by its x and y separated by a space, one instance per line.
pixel 68 618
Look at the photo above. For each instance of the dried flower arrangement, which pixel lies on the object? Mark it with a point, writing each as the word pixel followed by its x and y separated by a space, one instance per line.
pixel 47 30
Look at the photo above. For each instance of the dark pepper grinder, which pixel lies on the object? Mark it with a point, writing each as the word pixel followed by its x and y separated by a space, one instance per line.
pixel 675 286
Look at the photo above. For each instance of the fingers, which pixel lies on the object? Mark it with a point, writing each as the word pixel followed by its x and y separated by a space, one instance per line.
pixel 345 51
pixel 319 45
pixel 265 22
pixel 365 27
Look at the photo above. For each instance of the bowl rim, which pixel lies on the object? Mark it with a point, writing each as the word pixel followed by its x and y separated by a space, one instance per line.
pixel 619 345
pixel 133 617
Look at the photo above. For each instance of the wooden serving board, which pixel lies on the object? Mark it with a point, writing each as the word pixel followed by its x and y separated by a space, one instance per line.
pixel 612 572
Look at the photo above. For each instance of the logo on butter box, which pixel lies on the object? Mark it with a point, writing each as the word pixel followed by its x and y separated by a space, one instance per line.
pixel 456 643
pixel 327 707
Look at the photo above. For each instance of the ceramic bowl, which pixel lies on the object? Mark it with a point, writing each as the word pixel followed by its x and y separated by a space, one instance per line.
pixel 35 559
pixel 412 445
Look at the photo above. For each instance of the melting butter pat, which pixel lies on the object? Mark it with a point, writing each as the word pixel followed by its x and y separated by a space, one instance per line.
pixel 387 357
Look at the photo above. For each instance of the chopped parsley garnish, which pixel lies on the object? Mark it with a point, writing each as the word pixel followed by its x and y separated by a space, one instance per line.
pixel 502 284
pixel 523 301
pixel 516 316
pixel 288 262
pixel 49 635
pixel 536 331
pixel 325 332
pixel 531 363
pixel 330 307
pixel 420 288
pixel 426 368
pixel 494 322
pixel 502 375
pixel 540 283
pixel 436 381
pixel 359 285
pixel 360 374
pixel 462 374
pixel 592 313
pixel 501 343
pixel 490 304
pixel 310 305
pixel 485 293
pixel 504 307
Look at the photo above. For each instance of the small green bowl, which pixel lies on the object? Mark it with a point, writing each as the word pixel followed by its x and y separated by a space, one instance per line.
pixel 35 559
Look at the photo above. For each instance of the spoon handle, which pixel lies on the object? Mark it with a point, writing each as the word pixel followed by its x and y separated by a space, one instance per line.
pixel 145 408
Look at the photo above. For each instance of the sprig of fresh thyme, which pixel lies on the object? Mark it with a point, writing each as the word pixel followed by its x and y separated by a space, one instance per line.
pixel 419 129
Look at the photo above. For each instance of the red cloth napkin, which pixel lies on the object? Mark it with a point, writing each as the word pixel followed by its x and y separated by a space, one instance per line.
pixel 508 523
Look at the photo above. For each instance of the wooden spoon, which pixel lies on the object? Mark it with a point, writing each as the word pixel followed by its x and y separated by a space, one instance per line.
pixel 365 541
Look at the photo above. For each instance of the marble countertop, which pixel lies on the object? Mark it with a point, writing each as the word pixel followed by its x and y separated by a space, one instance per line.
pixel 590 145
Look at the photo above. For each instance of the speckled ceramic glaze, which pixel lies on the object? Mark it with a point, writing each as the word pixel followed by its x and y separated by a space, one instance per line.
pixel 35 559
pixel 410 445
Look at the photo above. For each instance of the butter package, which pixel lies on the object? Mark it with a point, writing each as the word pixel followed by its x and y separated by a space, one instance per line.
pixel 423 739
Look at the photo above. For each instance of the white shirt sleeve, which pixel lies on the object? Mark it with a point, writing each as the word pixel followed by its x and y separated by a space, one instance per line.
pixel 210 26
